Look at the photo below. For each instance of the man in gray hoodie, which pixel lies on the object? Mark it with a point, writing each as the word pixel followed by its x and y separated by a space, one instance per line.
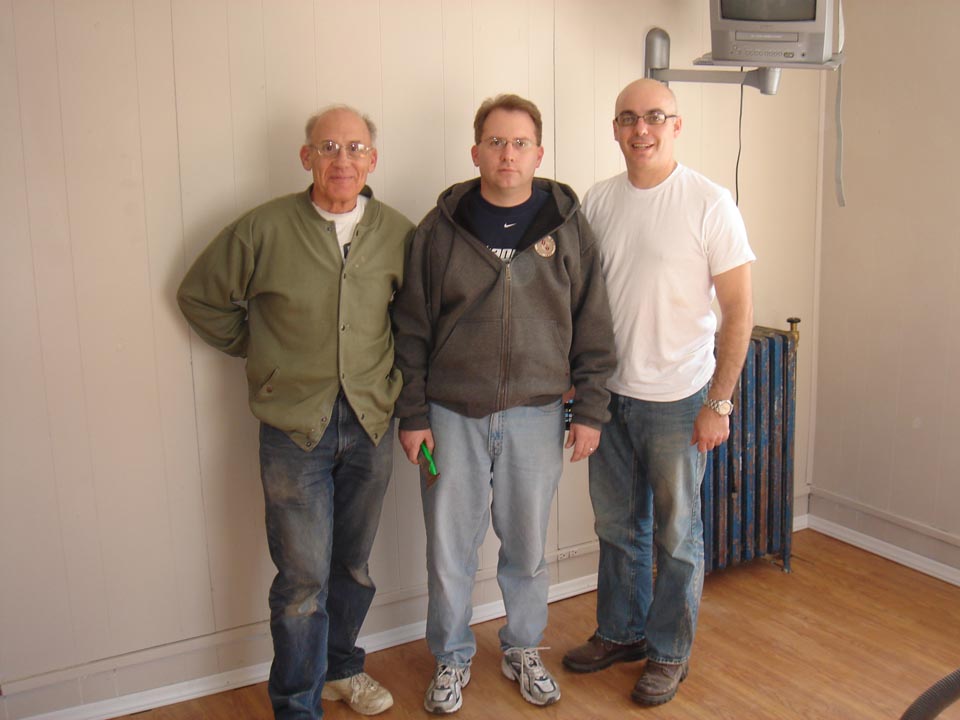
pixel 503 310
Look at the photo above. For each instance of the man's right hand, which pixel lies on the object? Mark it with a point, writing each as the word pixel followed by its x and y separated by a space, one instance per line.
pixel 410 442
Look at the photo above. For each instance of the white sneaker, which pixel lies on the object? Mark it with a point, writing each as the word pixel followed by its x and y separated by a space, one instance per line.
pixel 537 685
pixel 361 692
pixel 445 693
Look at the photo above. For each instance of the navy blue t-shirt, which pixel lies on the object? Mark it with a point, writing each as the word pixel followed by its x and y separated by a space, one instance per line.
pixel 502 228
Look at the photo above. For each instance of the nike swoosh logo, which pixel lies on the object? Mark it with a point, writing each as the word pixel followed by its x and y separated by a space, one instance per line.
pixel 507 226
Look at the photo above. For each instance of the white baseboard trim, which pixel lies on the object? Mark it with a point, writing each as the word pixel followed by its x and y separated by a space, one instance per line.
pixel 801 522
pixel 170 694
pixel 884 549
pixel 166 695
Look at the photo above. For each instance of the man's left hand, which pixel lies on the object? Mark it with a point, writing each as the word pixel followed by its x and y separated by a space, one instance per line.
pixel 583 439
pixel 710 429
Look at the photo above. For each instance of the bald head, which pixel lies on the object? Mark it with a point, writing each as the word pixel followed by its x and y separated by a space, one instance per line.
pixel 647 90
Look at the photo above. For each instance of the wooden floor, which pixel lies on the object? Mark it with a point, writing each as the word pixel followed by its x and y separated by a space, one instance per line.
pixel 846 636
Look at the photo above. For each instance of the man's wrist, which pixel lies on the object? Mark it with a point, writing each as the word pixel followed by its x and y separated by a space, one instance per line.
pixel 719 406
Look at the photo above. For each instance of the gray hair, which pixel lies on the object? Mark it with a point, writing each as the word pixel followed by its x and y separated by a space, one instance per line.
pixel 315 118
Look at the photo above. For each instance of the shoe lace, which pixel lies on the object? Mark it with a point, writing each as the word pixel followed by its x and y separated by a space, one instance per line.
pixel 360 684
pixel 445 676
pixel 531 660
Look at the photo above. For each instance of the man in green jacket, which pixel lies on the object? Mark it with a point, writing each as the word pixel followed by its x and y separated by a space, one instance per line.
pixel 503 310
pixel 317 271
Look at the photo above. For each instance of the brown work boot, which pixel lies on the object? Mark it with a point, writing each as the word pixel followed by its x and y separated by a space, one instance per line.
pixel 658 683
pixel 597 654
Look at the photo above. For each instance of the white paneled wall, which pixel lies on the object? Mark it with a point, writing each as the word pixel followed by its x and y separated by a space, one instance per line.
pixel 132 551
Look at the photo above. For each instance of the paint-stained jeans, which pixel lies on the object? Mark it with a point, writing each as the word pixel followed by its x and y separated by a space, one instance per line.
pixel 645 474
pixel 322 512
pixel 517 455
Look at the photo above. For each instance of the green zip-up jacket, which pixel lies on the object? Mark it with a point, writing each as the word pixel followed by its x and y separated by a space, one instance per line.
pixel 312 322
pixel 479 335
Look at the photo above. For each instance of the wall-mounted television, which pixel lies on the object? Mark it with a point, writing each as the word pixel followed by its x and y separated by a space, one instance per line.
pixel 755 32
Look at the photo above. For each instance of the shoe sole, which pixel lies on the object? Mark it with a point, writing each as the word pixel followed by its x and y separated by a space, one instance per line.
pixel 508 672
pixel 651 701
pixel 332 695
pixel 631 656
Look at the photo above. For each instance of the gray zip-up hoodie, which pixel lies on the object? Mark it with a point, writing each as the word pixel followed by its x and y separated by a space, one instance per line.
pixel 480 335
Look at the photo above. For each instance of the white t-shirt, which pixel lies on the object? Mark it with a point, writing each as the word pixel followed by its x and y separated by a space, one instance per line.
pixel 660 248
pixel 345 223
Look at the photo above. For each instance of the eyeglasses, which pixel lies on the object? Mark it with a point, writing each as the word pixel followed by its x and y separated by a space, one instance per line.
pixel 628 118
pixel 499 143
pixel 331 148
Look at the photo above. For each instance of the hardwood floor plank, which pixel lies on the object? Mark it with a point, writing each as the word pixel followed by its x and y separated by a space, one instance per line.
pixel 846 635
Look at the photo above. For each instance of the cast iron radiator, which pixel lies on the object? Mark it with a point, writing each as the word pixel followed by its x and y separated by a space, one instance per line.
pixel 747 492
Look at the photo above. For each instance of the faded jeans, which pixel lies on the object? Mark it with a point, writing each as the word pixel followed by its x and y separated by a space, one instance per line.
pixel 322 512
pixel 646 475
pixel 517 455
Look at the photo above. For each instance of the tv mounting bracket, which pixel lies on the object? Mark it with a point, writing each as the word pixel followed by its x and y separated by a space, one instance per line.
pixel 656 65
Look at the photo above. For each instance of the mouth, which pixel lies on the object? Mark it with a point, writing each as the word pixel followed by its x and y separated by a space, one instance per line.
pixel 639 145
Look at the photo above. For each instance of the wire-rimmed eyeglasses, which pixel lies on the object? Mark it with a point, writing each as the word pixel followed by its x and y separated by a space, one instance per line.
pixel 498 143
pixel 331 148
pixel 628 118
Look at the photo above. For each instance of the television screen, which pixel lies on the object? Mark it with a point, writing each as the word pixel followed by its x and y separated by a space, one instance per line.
pixel 769 10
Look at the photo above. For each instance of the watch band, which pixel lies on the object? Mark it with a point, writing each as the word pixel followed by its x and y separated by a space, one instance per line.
pixel 720 407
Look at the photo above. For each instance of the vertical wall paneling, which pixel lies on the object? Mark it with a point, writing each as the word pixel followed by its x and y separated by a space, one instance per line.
pixel 62 608
pixel 255 175
pixel 105 203
pixel 289 69
pixel 226 432
pixel 412 109
pixel 163 223
pixel 460 98
pixel 347 48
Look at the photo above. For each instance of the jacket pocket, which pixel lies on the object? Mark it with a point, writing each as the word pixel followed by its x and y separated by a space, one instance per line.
pixel 468 363
pixel 539 354
pixel 268 386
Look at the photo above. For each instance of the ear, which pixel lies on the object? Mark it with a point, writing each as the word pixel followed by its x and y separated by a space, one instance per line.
pixel 539 155
pixel 373 161
pixel 616 131
pixel 677 123
pixel 305 157
pixel 475 154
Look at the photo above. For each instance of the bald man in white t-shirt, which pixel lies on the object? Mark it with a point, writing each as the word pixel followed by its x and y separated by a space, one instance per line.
pixel 670 242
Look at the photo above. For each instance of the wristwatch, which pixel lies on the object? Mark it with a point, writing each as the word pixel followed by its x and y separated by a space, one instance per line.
pixel 720 407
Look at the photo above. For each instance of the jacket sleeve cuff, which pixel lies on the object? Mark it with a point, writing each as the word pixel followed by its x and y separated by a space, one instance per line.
pixel 417 422
pixel 589 422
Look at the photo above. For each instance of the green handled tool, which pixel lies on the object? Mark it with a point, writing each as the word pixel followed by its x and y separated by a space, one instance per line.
pixel 427 465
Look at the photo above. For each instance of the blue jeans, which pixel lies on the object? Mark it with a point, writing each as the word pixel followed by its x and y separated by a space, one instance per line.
pixel 517 455
pixel 322 512
pixel 646 475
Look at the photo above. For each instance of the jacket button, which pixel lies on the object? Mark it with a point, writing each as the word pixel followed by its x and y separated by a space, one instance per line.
pixel 362 415
pixel 309 443
pixel 323 419
pixel 268 388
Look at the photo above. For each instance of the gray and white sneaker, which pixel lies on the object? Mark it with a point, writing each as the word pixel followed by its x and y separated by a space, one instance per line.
pixel 537 685
pixel 445 693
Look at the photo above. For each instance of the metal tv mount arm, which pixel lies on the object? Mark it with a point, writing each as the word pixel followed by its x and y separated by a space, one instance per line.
pixel 656 65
